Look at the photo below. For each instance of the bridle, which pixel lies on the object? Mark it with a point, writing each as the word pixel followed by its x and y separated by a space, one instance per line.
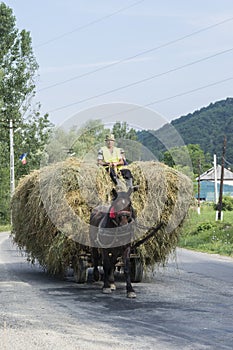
pixel 115 215
pixel 119 231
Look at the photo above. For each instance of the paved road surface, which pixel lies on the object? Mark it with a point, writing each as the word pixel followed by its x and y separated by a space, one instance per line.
pixel 186 306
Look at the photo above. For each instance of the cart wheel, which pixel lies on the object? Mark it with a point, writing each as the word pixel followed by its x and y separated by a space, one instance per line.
pixel 80 271
pixel 136 269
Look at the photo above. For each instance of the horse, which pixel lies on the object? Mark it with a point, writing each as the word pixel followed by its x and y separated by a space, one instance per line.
pixel 111 232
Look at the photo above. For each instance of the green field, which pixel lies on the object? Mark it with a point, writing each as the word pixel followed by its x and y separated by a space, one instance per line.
pixel 202 232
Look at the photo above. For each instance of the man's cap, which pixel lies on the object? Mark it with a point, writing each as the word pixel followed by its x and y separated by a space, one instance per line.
pixel 110 137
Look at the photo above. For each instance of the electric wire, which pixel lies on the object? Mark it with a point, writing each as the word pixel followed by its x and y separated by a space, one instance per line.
pixel 177 95
pixel 136 55
pixel 171 97
pixel 98 20
pixel 143 80
pixel 190 91
pixel 227 162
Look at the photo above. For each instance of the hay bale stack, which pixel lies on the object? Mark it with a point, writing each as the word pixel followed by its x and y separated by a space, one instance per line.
pixel 51 208
pixel 164 197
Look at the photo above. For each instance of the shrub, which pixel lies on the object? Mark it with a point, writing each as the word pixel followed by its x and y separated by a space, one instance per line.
pixel 205 226
pixel 227 203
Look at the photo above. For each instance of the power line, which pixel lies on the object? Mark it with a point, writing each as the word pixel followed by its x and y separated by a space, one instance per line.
pixel 98 20
pixel 143 80
pixel 137 55
pixel 174 96
pixel 189 91
pixel 227 162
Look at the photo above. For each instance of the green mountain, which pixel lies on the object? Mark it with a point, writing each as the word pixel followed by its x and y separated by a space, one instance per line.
pixel 205 127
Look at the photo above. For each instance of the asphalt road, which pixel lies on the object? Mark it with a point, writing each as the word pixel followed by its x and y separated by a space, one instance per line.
pixel 187 305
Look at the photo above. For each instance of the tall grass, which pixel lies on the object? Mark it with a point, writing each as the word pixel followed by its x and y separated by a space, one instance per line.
pixel 202 232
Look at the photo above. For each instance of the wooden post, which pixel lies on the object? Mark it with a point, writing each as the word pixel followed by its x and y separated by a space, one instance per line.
pixel 221 180
pixel 199 188
pixel 215 180
pixel 12 165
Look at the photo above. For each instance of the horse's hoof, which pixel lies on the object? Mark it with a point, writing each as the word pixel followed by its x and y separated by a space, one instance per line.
pixel 113 286
pixel 131 295
pixel 107 290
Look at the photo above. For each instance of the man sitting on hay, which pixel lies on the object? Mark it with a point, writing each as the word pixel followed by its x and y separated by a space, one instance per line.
pixel 113 159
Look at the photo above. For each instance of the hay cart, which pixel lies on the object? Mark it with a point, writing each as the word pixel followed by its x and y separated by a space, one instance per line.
pixel 83 267
pixel 83 263
pixel 47 199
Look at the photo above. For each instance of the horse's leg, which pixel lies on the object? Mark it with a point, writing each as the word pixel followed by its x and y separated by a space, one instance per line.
pixel 94 221
pixel 95 257
pixel 107 270
pixel 111 279
pixel 126 258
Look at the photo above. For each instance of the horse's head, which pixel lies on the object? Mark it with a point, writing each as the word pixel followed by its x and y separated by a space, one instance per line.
pixel 121 211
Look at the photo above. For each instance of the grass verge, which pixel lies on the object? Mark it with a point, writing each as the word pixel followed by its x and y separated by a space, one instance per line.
pixel 203 233
pixel 5 228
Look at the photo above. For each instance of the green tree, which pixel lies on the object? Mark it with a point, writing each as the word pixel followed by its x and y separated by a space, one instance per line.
pixel 82 143
pixel 91 137
pixel 127 139
pixel 198 156
pixel 205 127
pixel 18 65
pixel 31 138
pixel 85 142
pixel 18 68
pixel 179 157
pixel 121 130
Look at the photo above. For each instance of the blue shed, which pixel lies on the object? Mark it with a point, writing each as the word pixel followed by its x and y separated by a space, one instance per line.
pixel 207 188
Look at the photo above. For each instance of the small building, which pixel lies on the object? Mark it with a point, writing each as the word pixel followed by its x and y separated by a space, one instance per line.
pixel 207 185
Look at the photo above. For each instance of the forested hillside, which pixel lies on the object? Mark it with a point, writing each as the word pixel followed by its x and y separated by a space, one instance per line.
pixel 205 127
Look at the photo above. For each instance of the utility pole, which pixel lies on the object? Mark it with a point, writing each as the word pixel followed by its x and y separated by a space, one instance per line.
pixel 215 180
pixel 12 160
pixel 221 180
pixel 199 187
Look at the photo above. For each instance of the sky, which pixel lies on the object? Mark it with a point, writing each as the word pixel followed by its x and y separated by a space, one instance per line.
pixel 171 57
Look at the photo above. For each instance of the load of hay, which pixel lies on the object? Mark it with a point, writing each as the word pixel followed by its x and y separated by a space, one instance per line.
pixel 51 209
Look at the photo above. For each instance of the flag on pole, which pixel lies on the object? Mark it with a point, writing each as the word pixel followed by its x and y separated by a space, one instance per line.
pixel 23 158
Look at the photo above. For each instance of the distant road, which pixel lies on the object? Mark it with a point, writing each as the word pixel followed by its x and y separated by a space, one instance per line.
pixel 209 265
pixel 187 306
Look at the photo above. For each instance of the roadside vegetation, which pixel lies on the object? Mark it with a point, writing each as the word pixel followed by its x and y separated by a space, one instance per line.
pixel 203 233
pixel 5 228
